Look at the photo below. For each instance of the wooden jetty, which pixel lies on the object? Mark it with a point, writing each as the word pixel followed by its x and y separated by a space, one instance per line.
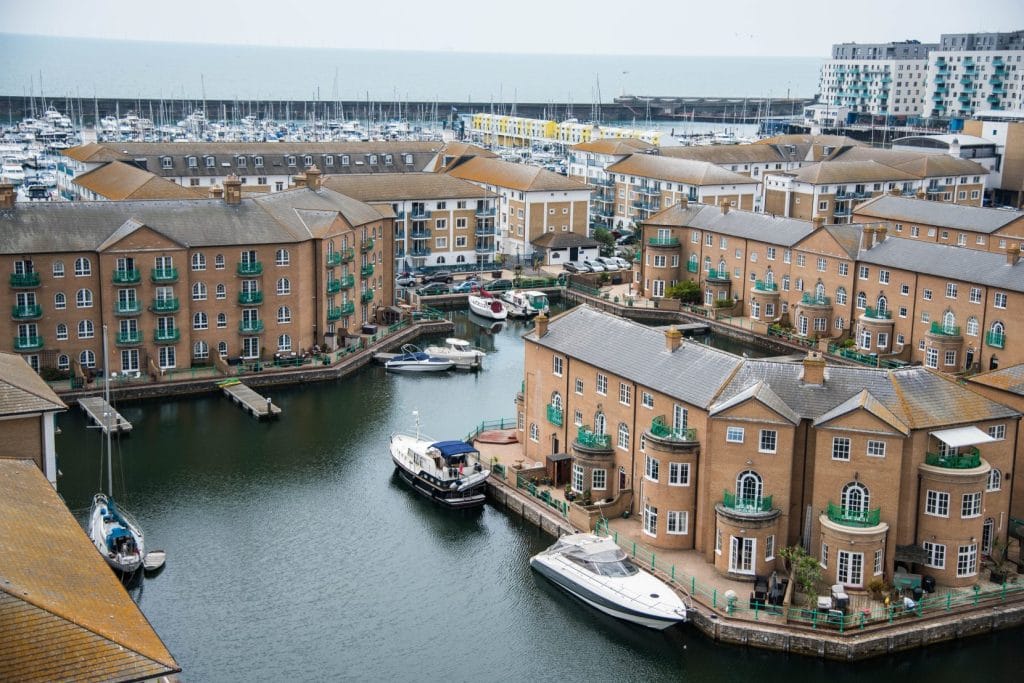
pixel 104 415
pixel 250 401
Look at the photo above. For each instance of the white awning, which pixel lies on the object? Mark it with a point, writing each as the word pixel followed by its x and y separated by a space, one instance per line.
pixel 962 436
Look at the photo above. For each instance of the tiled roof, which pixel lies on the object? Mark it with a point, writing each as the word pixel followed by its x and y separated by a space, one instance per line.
pixel 864 400
pixel 744 224
pixel 614 146
pixel 761 392
pixel 826 172
pixel 63 614
pixel 726 154
pixel 847 235
pixel 1009 379
pixel 678 170
pixel 93 152
pixel 118 180
pixel 22 390
pixel 382 187
pixel 942 214
pixel 521 177
pixel 956 263
pixel 919 164
pixel 563 240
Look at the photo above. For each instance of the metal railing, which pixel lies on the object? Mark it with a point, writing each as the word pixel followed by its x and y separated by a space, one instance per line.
pixel 126 277
pixel 165 305
pixel 128 338
pixel 762 286
pixel 366 271
pixel 995 339
pixel 815 300
pixel 164 275
pixel 589 439
pixel 661 429
pixel 663 241
pixel 24 279
pixel 333 259
pixel 970 459
pixel 250 268
pixel 945 330
pixel 366 296
pixel 555 415
pixel 542 494
pixel 250 298
pixel 28 342
pixel 250 326
pixel 127 308
pixel 166 335
pixel 714 274
pixel 27 312
pixel 877 314
pixel 366 245
pixel 758 504
pixel 853 517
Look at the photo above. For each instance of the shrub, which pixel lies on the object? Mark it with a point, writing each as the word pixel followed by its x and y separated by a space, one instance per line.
pixel 804 568
pixel 687 291
pixel 723 303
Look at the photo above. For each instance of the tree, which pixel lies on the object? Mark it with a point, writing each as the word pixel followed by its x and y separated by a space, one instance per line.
pixel 606 240
pixel 804 569
pixel 686 291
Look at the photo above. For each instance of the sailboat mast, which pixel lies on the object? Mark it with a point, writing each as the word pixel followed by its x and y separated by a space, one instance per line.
pixel 106 413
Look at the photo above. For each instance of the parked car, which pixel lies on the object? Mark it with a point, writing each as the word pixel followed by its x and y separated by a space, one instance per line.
pixel 433 289
pixel 498 285
pixel 622 263
pixel 438 276
pixel 595 266
pixel 464 287
pixel 609 263
pixel 626 239
pixel 571 267
pixel 405 279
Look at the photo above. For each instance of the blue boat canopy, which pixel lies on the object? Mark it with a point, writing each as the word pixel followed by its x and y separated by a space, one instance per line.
pixel 452 449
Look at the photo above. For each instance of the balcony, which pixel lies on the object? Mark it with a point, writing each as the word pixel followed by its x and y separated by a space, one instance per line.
pixel 419 214
pixel 348 254
pixel 714 274
pixel 399 234
pixel 366 271
pixel 646 206
pixel 876 314
pixel 762 286
pixel 28 343
pixel 128 338
pixel 127 308
pixel 366 296
pixel 420 233
pixel 250 327
pixel 126 277
pixel 663 241
pixel 347 308
pixel 692 266
pixel 661 429
pixel 164 305
pixel 166 336
pixel 248 268
pixel 854 517
pixel 333 286
pixel 485 231
pixel 419 251
pixel 164 275
pixel 809 299
pixel 483 248
pixel 731 501
pixel 486 213
pixel 250 298
pixel 648 191
pixel 24 280
pixel 586 438
pixel 934 189
pixel 333 259
pixel 954 461
pixel 348 281
pixel 366 245
pixel 31 312
pixel 945 330
pixel 555 415
pixel 995 339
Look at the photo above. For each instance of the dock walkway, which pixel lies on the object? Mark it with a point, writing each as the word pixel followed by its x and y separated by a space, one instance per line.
pixel 250 401
pixel 104 415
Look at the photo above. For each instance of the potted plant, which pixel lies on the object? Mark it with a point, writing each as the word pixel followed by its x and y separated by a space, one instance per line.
pixel 499 259
pixel 999 568
pixel 569 494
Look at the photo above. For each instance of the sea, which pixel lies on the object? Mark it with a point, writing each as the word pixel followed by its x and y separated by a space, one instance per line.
pixel 84 68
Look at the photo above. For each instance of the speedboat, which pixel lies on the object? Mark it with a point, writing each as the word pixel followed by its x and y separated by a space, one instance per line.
pixel 484 304
pixel 448 472
pixel 598 572
pixel 413 359
pixel 460 352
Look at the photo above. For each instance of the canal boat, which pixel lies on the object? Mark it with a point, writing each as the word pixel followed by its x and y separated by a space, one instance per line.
pixel 485 305
pixel 598 572
pixel 448 472
pixel 412 359
pixel 460 352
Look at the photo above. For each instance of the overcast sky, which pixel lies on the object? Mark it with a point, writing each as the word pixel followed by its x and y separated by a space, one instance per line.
pixel 669 27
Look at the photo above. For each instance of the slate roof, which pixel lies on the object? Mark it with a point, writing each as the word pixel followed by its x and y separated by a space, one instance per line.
pixel 760 392
pixel 864 401
pixel 22 390
pixel 563 240
pixel 678 170
pixel 848 235
pixel 118 181
pixel 955 263
pixel 614 146
pixel 941 214
pixel 1009 379
pixel 64 616
pixel 726 154
pixel 407 186
pixel 523 177
pixel 745 224
pixel 829 172
pixel 94 152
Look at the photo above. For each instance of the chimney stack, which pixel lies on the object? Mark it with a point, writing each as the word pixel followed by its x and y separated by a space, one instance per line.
pixel 216 192
pixel 673 339
pixel 540 325
pixel 894 191
pixel 684 203
pixel 299 180
pixel 7 195
pixel 1012 253
pixel 814 369
pixel 818 222
pixel 724 204
pixel 313 178
pixel 921 194
pixel 232 190
pixel 881 232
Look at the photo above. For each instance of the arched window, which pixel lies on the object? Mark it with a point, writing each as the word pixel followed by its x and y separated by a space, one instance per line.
pixel 222 292
pixel 222 320
pixel 282 258
pixel 200 350
pixel 841 296
pixel 855 498
pixel 284 286
pixel 707 263
pixel 769 277
pixel 460 259
pixel 819 290
pixel 222 349
pixel 840 323
pixel 198 261
pixel 87 358
pixel 60 302
pixel 721 265
pixel 86 329
pixel 63 362
pixel 284 315
pixel 995 480
pixel 534 432
pixel 58 270
pixel 987 529
pixel 200 321
pixel 693 263
pixel 600 424
pixel 623 436
pixel 862 300
pixel 218 261
pixel 83 266
pixel 284 343
pixel 556 400
pixel 972 326
pixel 997 335
pixel 882 304
pixel 199 291
pixel 62 332
pixel 83 299
pixel 749 487
pixel 948 322
pixel 440 259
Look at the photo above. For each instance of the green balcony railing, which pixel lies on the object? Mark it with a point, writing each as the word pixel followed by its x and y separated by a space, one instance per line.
pixel 663 241
pixel 166 335
pixel 589 439
pixel 348 308
pixel 692 266
pixel 852 517
pixel 333 286
pixel 815 300
pixel 28 343
pixel 348 254
pixel 127 308
pixel 348 281
pixel 127 277
pixel 165 305
pixel 877 314
pixel 555 415
pixel 164 275
pixel 250 298
pixel 734 502
pixel 366 245
pixel 762 286
pixel 128 338
pixel 996 339
pixel 250 326
pixel 333 314
pixel 333 259
pixel 714 274
pixel 366 296
pixel 663 430
pixel 366 271
pixel 250 268
pixel 26 312
pixel 969 459
pixel 945 330
pixel 24 279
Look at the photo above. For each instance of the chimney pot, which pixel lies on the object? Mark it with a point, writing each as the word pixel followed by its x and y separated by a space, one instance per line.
pixel 684 203
pixel 818 222
pixel 216 192
pixel 814 369
pixel 540 324
pixel 1012 254
pixel 673 339
pixel 7 195
pixel 299 180
pixel 881 231
pixel 724 204
pixel 232 190
pixel 313 178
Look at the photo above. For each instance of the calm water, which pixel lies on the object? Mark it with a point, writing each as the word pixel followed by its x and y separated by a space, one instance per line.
pixel 295 555
pixel 83 67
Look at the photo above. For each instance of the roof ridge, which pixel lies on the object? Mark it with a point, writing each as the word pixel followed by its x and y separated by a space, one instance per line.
pixel 37 394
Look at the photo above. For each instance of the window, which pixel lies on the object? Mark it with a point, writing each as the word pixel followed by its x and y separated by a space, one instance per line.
pixel 718 541
pixel 967 560
pixel 623 436
pixel 935 555
pixel 200 350
pixel 87 359
pixel 200 321
pixel 926 295
pixel 83 267
pixel 975 295
pixel 863 272
pixel 734 435
pixel 60 302
pixel 284 286
pixel 556 365
pixel 876 449
pixel 824 555
pixel 222 292
pixel 284 315
pixel 905 289
pixel 677 522
pixel 995 480
pixel 650 468
pixel 950 290
pixel 650 520
pixel 646 399
pixel 972 327
pixel 167 357
pixel 840 448
pixel 999 299
pixel 282 257
pixel 937 503
pixel 971 505
pixel 222 349
pixel 625 393
pixel 822 264
pixel 602 384
pixel 58 269
pixel 284 343
pixel 577 418
pixel 63 362
pixel 62 332
pixel 879 561
pixel 679 474
pixel 844 268
pixel 950 358
pixel 199 291
pixel 579 386
pixel 218 261
pixel 997 431
pixel 83 298
pixel 768 441
pixel 850 568
pixel 534 432
pixel 599 480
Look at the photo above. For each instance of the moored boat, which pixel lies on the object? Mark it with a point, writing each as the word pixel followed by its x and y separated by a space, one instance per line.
pixel 412 359
pixel 484 304
pixel 460 352
pixel 517 304
pixel 598 572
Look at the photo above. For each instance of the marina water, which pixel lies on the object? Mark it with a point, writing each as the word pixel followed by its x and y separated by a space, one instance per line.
pixel 295 554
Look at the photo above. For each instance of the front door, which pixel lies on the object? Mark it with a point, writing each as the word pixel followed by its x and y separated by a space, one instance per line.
pixel 574 253
pixel 741 555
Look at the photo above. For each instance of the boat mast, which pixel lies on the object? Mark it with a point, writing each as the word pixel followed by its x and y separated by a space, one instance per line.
pixel 106 412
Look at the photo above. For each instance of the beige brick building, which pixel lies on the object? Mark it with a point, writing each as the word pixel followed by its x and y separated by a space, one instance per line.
pixel 28 411
pixel 737 458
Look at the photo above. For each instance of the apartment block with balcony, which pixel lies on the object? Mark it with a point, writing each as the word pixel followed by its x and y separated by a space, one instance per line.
pixel 878 79
pixel 588 162
pixel 738 458
pixel 974 72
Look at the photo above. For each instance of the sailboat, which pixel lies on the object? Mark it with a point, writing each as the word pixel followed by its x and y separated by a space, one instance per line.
pixel 114 532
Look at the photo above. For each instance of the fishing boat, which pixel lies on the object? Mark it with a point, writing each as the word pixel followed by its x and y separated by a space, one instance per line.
pixel 484 304
pixel 448 472
pixel 598 572
pixel 525 303
pixel 459 351
pixel 412 359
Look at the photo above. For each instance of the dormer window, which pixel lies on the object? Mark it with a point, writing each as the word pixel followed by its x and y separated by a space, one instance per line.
pixel 257 162
pixel 328 160
pixel 307 161
pixel 192 162
pixel 344 160
pixel 166 162
pixel 291 160
pixel 241 162
pixel 387 159
pixel 408 159
pixel 373 159
pixel 211 162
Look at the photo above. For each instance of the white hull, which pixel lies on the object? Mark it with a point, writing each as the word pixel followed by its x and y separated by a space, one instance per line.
pixel 459 352
pixel 485 308
pixel 418 366
pixel 420 465
pixel 104 520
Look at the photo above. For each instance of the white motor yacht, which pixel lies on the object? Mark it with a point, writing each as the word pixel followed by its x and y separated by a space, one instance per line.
pixel 518 304
pixel 460 352
pixel 413 359
pixel 598 572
